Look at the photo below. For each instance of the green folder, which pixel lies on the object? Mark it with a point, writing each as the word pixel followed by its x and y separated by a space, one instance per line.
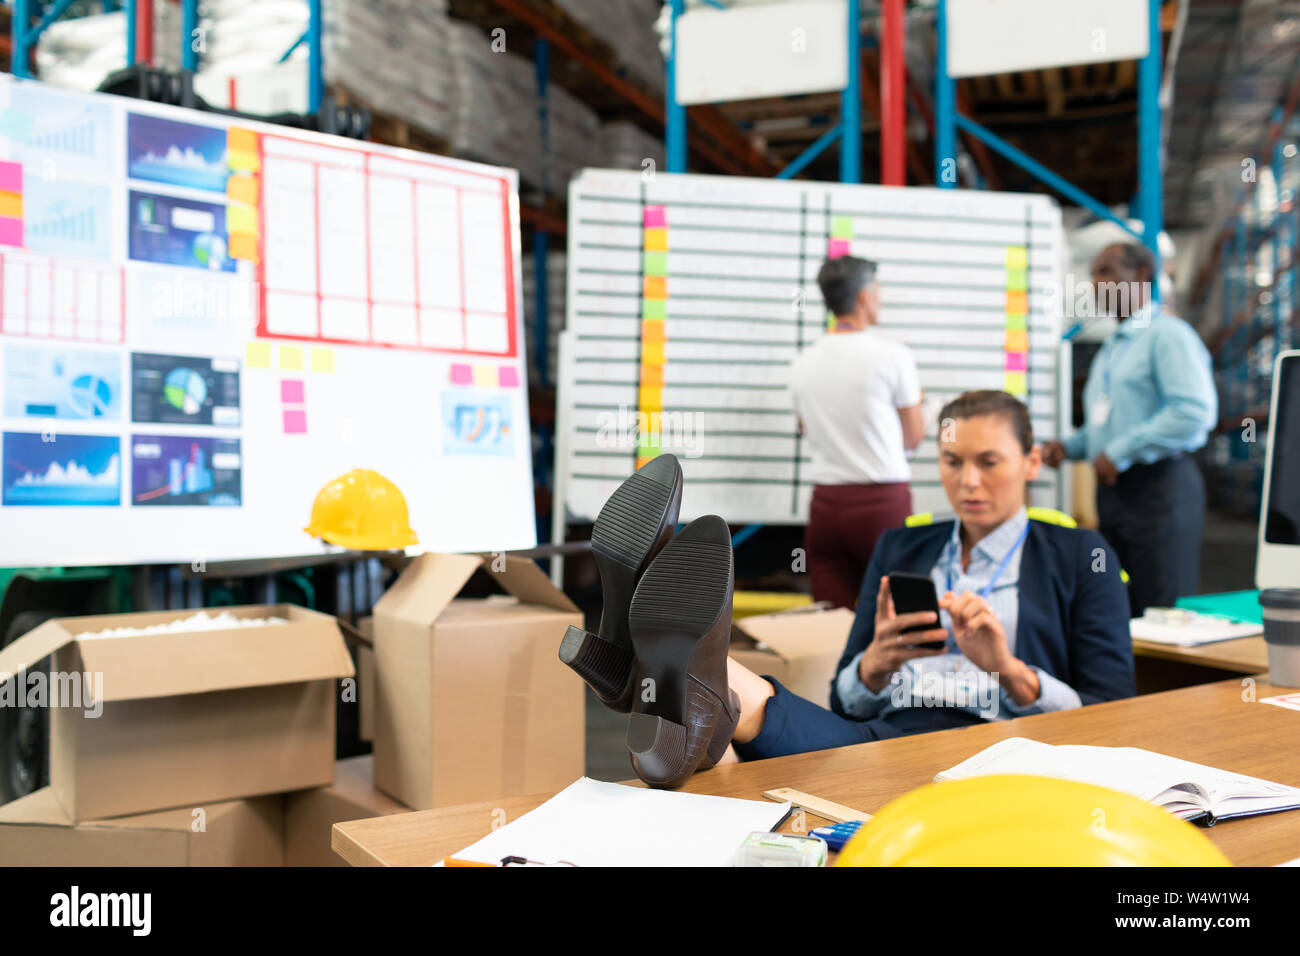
pixel 1239 605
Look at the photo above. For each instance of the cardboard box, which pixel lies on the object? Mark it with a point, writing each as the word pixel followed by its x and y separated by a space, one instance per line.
pixel 310 815
pixel 799 647
pixel 366 679
pixel 472 702
pixel 36 831
pixel 189 718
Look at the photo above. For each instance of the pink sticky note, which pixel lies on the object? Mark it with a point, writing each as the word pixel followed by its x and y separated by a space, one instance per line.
pixel 839 247
pixel 1016 362
pixel 11 177
pixel 508 376
pixel 291 391
pixel 461 374
pixel 654 217
pixel 11 231
pixel 295 421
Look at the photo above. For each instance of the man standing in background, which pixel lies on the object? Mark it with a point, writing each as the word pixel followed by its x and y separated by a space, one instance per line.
pixel 858 400
pixel 1149 402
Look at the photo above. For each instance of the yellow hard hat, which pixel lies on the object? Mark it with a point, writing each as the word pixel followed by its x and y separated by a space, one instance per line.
pixel 1012 820
pixel 362 510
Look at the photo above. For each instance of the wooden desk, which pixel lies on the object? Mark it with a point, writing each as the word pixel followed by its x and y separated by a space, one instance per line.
pixel 1209 724
pixel 1166 667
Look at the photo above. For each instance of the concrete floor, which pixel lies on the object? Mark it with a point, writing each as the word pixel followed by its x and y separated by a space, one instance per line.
pixel 1227 564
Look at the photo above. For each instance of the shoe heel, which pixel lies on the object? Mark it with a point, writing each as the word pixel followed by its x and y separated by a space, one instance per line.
pixel 721 740
pixel 658 750
pixel 602 665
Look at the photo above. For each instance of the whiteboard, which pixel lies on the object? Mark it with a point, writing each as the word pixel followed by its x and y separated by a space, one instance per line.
pixel 693 295
pixel 203 320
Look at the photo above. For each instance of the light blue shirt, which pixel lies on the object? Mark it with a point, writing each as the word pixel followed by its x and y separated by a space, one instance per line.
pixel 1154 375
pixel 952 679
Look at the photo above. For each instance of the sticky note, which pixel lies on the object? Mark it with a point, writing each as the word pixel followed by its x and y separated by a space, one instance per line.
pixel 322 360
pixel 295 421
pixel 291 391
pixel 485 376
pixel 1017 280
pixel 1017 257
pixel 257 355
pixel 243 161
pixel 1014 382
pixel 243 189
pixel 240 139
pixel 11 177
pixel 241 219
pixel 507 376
pixel 648 446
pixel 650 400
pixel 1017 303
pixel 243 245
pixel 11 203
pixel 655 264
pixel 11 231
pixel 652 330
pixel 652 376
pixel 1018 323
pixel 291 358
pixel 461 374
pixel 1016 362
pixel 654 287
pixel 838 247
pixel 656 240
pixel 842 227
pixel 654 308
pixel 652 353
pixel 654 217
pixel 644 460
pixel 1017 341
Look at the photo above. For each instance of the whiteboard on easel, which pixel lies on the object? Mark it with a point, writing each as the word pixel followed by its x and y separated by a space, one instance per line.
pixel 690 296
pixel 203 320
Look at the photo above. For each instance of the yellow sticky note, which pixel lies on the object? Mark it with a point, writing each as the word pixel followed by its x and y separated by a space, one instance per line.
pixel 650 400
pixel 291 358
pixel 257 355
pixel 656 240
pixel 485 376
pixel 242 189
pixel 322 360
pixel 243 162
pixel 1015 383
pixel 652 353
pixel 11 204
pixel 1017 257
pixel 241 219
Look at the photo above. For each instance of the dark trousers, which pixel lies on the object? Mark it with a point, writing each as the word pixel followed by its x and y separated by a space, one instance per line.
pixel 794 725
pixel 1153 517
pixel 844 522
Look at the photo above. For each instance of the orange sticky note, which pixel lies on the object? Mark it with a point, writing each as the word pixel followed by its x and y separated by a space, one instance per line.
pixel 241 140
pixel 242 189
pixel 243 245
pixel 1017 341
pixel 650 399
pixel 654 287
pixel 1017 303
pixel 652 376
pixel 656 240
pixel 652 330
pixel 11 204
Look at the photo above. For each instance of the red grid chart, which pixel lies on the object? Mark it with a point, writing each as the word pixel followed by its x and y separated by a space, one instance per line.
pixel 58 297
pixel 363 247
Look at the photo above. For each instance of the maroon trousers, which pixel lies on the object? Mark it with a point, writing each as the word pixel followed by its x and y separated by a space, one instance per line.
pixel 844 523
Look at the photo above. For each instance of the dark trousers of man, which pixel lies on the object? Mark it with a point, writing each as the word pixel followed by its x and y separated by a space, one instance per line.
pixel 844 523
pixel 1153 517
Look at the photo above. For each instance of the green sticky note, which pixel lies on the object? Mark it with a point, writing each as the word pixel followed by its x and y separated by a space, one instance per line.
pixel 1017 280
pixel 649 446
pixel 841 227
pixel 654 308
pixel 1017 323
pixel 655 264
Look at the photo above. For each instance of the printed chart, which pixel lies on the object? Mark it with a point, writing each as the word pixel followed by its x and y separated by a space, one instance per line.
pixel 690 297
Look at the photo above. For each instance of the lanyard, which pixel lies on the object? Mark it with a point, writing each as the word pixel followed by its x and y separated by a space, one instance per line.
pixel 988 588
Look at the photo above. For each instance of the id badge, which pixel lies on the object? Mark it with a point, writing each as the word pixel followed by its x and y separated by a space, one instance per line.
pixel 1099 413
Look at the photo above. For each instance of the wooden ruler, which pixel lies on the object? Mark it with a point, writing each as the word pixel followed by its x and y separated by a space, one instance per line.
pixel 826 809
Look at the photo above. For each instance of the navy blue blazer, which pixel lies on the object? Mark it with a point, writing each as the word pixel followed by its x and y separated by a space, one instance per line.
pixel 1073 623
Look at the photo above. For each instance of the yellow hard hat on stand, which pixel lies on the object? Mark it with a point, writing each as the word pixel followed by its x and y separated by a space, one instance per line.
pixel 1011 820
pixel 362 510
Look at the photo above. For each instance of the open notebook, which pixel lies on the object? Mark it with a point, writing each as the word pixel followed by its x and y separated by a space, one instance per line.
pixel 1188 790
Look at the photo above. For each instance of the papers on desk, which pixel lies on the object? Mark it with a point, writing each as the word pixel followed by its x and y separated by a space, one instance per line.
pixel 591 823
pixel 1188 790
pixel 1201 629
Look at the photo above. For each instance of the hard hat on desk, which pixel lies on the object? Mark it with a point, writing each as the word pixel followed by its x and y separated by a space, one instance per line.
pixel 362 510
pixel 1012 820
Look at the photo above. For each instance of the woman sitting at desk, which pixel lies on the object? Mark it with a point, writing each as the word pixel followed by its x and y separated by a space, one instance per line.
pixel 1034 616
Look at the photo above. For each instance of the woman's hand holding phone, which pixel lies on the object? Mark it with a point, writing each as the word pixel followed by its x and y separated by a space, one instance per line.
pixel 890 649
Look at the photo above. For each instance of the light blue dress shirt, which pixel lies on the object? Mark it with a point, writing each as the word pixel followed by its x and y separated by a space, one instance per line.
pixel 952 679
pixel 1154 375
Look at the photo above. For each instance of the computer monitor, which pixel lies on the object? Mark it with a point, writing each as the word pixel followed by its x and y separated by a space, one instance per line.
pixel 1277 563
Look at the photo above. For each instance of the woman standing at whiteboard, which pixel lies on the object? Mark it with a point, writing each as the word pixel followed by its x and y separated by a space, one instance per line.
pixel 858 401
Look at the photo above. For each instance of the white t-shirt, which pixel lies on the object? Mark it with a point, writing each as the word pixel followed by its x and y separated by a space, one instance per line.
pixel 847 388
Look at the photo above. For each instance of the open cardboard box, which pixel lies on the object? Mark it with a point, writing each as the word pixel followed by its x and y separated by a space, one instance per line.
pixel 799 647
pixel 187 718
pixel 471 700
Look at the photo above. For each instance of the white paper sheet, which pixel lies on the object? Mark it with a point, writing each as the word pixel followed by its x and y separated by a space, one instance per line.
pixel 1201 630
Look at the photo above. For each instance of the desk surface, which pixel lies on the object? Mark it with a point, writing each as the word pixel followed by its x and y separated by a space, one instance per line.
pixel 1245 655
pixel 1209 724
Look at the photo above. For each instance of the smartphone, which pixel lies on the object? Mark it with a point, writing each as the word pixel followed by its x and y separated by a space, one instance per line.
pixel 912 593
